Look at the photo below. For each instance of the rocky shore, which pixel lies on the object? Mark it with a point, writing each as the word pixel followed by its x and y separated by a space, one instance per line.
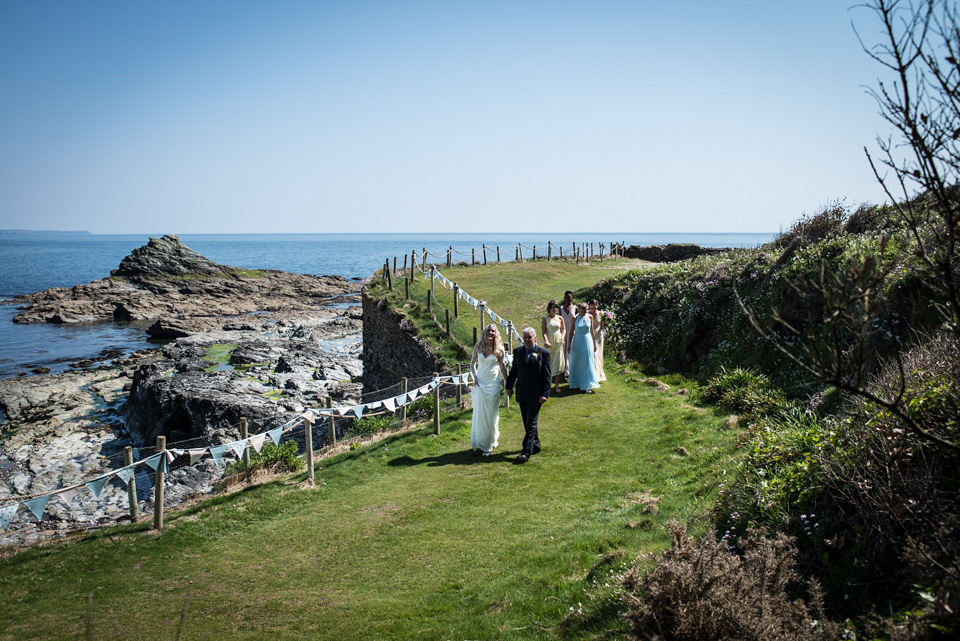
pixel 254 344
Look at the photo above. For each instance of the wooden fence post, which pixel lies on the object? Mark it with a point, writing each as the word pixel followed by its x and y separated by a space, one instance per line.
pixel 534 252
pixel 394 264
pixel 436 404
pixel 132 485
pixel 601 252
pixel 332 422
pixel 459 384
pixel 406 288
pixel 483 309
pixel 244 434
pixel 484 253
pixel 308 444
pixel 450 257
pixel 404 263
pixel 447 312
pixel 549 251
pixel 473 256
pixel 433 272
pixel 403 390
pixel 456 301
pixel 413 263
pixel 386 270
pixel 498 253
pixel 158 484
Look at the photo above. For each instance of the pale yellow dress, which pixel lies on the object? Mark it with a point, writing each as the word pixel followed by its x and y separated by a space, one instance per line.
pixel 557 360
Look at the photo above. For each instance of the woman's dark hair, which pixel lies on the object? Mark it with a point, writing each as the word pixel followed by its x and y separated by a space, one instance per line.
pixel 593 301
pixel 551 305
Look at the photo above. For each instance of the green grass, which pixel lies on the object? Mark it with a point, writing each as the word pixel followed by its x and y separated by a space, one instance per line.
pixel 413 536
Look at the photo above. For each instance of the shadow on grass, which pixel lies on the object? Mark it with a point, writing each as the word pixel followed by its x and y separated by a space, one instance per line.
pixel 464 457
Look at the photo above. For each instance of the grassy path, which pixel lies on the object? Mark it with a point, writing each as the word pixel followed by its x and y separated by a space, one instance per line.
pixel 411 537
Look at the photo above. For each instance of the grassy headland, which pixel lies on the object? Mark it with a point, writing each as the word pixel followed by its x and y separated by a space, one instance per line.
pixel 412 536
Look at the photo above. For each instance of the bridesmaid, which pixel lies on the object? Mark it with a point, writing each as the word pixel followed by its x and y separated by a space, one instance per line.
pixel 554 339
pixel 583 346
pixel 600 329
pixel 568 312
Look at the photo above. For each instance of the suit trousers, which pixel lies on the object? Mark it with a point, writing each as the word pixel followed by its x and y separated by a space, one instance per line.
pixel 531 438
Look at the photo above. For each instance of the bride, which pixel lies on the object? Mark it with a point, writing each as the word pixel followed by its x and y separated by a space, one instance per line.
pixel 488 369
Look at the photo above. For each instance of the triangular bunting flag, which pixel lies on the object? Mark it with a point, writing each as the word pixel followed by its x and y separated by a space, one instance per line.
pixel 96 485
pixel 153 461
pixel 124 474
pixel 390 404
pixel 257 441
pixel 275 435
pixel 342 411
pixel 358 410
pixel 401 400
pixel 217 453
pixel 164 465
pixel 196 454
pixel 238 447
pixel 7 513
pixel 413 394
pixel 38 505
pixel 423 389
pixel 171 455
pixel 374 405
pixel 67 496
pixel 308 416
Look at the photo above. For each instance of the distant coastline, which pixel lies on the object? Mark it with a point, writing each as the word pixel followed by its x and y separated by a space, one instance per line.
pixel 51 232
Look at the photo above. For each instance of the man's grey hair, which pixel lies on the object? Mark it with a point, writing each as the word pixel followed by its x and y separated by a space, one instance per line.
pixel 529 330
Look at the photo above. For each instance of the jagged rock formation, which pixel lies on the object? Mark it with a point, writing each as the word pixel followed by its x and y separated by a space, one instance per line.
pixel 180 289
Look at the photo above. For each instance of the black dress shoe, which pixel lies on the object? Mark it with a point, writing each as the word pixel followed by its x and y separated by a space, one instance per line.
pixel 523 458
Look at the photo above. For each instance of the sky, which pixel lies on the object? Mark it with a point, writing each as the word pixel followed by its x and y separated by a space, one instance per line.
pixel 287 116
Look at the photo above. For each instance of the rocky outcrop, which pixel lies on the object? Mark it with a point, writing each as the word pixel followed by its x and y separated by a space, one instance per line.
pixel 201 386
pixel 391 349
pixel 669 253
pixel 182 290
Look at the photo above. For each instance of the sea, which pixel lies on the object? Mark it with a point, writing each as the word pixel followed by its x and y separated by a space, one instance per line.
pixel 31 262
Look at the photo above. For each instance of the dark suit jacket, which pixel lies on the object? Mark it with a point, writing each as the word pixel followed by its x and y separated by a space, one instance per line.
pixel 531 374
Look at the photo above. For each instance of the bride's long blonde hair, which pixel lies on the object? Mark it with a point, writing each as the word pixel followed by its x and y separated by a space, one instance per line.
pixel 497 341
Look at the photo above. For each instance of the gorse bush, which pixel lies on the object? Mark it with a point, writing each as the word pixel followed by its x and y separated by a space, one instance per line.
pixel 707 592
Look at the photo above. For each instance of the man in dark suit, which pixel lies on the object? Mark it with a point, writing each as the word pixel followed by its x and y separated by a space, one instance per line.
pixel 530 371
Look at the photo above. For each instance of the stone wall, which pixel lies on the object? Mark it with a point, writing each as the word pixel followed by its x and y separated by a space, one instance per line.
pixel 669 253
pixel 391 350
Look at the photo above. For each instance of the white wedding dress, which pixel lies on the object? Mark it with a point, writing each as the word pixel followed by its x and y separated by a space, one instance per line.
pixel 486 404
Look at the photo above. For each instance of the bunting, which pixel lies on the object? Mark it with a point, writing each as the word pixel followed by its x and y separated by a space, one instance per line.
pixel 67 496
pixel 217 453
pixel 38 505
pixel 6 515
pixel 275 434
pixel 257 442
pixel 125 474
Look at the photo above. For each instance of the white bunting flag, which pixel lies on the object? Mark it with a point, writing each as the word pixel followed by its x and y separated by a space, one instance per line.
pixel 412 395
pixel 67 496
pixel 196 454
pixel 390 405
pixel 257 441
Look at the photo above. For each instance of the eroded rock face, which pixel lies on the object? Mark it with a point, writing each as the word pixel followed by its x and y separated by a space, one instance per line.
pixel 182 290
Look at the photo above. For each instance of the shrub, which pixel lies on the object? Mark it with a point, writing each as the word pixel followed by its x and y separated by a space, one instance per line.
pixel 276 458
pixel 745 392
pixel 704 591
pixel 371 424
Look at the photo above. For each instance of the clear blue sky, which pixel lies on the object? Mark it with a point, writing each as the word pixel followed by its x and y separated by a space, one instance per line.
pixel 207 116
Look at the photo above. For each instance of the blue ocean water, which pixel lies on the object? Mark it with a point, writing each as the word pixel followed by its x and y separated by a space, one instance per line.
pixel 34 262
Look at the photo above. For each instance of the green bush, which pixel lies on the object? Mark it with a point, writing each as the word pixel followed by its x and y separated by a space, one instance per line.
pixel 744 391
pixel 370 424
pixel 277 458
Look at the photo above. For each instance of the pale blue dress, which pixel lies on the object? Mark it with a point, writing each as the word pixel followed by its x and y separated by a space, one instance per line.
pixel 583 368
